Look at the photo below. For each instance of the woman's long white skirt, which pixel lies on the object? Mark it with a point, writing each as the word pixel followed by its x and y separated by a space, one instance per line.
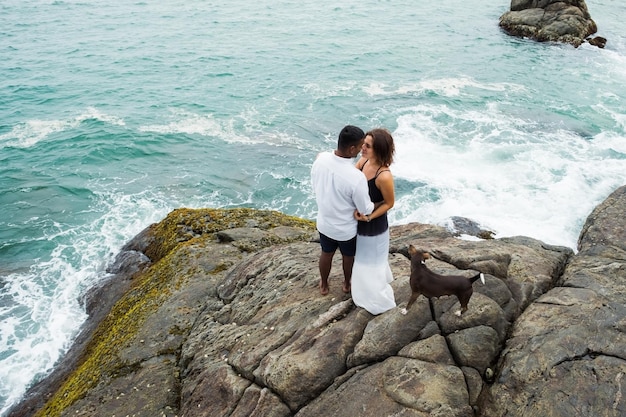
pixel 371 274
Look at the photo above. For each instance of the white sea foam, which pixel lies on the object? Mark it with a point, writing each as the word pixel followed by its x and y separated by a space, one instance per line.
pixel 246 129
pixel 41 310
pixel 189 123
pixel 95 114
pixel 324 91
pixel 31 132
pixel 502 173
pixel 446 87
pixel 43 315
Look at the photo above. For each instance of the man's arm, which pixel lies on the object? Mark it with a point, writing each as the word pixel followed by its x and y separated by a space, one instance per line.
pixel 361 198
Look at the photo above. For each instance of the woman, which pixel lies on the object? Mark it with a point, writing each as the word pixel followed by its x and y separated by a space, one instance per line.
pixel 371 274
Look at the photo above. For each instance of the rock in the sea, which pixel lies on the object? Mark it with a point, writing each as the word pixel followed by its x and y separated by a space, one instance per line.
pixel 566 21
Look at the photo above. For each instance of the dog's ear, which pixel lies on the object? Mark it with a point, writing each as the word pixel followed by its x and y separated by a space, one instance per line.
pixel 426 255
pixel 412 250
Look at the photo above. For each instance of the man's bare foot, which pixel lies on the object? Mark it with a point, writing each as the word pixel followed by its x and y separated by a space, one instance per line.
pixel 346 287
pixel 324 289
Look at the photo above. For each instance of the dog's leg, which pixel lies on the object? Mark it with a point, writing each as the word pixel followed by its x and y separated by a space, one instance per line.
pixel 464 300
pixel 460 312
pixel 414 296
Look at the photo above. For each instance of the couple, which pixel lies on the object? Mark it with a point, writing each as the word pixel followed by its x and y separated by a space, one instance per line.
pixel 352 207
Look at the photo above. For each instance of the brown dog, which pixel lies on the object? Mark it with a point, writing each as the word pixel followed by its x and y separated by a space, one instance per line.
pixel 424 281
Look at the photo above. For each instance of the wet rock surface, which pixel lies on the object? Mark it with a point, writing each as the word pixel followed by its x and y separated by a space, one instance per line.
pixel 225 322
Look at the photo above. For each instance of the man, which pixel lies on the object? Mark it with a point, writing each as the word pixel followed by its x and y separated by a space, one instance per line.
pixel 340 189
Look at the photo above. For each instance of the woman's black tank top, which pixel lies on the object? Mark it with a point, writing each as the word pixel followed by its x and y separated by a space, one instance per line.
pixel 379 224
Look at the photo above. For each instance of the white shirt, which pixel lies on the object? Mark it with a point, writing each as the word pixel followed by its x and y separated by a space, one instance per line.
pixel 339 188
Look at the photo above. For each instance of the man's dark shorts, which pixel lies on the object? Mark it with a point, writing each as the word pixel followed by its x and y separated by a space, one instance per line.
pixel 329 245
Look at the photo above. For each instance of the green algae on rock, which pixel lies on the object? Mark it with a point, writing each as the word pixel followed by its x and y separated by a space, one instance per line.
pixel 184 224
pixel 173 245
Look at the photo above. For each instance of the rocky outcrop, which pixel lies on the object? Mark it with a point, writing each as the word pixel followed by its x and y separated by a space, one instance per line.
pixel 566 354
pixel 566 21
pixel 226 319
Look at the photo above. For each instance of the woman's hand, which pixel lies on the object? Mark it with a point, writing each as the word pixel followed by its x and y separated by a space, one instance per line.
pixel 360 217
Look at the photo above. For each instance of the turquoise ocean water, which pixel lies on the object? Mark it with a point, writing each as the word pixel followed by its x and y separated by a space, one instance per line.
pixel 114 113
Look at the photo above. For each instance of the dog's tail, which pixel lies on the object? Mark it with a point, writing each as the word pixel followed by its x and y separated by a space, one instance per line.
pixel 481 276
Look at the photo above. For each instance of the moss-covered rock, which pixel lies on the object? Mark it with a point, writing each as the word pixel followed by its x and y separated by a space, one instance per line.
pixel 185 224
pixel 184 249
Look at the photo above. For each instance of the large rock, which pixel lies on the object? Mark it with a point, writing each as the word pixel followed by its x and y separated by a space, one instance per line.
pixel 226 319
pixel 566 355
pixel 566 21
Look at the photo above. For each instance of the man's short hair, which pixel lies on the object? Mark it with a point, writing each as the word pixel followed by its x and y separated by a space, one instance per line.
pixel 350 136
